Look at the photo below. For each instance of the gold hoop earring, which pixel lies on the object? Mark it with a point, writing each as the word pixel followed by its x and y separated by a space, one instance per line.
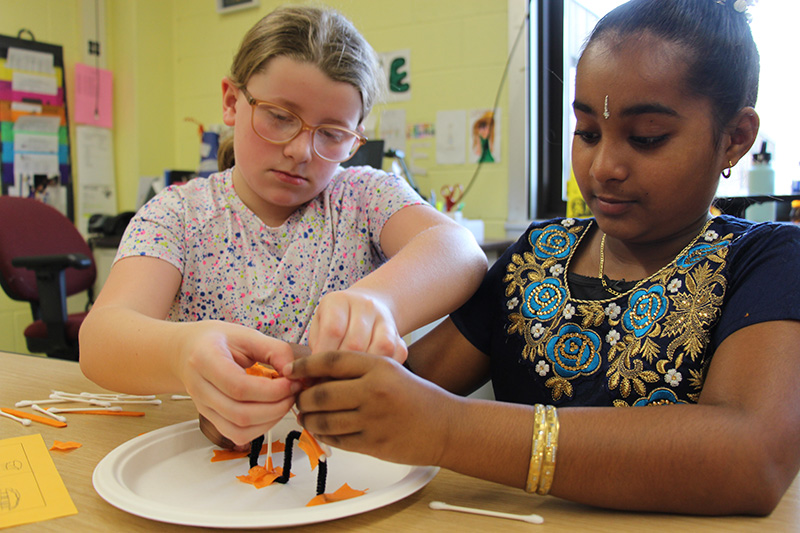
pixel 726 172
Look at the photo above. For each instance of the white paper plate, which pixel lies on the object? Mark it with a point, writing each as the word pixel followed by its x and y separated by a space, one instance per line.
pixel 167 475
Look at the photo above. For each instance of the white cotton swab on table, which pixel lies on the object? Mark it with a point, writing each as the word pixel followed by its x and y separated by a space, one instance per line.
pixel 150 402
pixel 48 413
pixel 530 518
pixel 23 421
pixel 180 397
pixel 101 397
pixel 113 396
pixel 28 403
pixel 84 395
pixel 101 403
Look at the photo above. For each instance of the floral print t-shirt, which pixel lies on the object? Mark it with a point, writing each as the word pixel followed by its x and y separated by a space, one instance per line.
pixel 551 340
pixel 237 269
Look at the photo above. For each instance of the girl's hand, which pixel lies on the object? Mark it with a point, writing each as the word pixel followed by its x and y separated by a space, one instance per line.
pixel 211 364
pixel 356 320
pixel 371 404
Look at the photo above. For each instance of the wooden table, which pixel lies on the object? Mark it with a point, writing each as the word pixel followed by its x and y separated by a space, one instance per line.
pixel 25 377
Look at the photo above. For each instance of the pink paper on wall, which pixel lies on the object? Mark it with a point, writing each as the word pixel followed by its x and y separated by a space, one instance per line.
pixel 93 96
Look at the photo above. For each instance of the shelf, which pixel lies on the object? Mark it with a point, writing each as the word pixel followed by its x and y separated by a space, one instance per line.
pixel 736 205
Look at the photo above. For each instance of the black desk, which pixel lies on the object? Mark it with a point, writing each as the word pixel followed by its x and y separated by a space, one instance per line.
pixel 736 205
pixel 104 241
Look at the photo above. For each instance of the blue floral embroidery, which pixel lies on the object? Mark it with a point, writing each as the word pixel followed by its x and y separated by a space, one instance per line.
pixel 657 397
pixel 588 350
pixel 552 241
pixel 574 351
pixel 647 306
pixel 698 252
pixel 543 299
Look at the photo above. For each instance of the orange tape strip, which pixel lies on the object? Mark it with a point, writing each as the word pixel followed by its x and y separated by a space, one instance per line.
pixel 115 413
pixel 35 418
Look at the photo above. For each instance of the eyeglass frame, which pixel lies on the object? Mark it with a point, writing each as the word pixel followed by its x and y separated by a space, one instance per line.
pixel 304 126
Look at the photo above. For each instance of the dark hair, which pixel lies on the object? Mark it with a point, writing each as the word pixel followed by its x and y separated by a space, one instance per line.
pixel 723 61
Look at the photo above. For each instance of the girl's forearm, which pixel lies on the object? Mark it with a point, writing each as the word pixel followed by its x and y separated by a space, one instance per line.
pixel 431 276
pixel 648 458
pixel 126 351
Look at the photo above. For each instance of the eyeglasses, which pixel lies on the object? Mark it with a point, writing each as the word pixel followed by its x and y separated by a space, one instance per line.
pixel 278 125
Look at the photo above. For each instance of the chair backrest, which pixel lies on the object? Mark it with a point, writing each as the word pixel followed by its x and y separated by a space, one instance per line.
pixel 29 227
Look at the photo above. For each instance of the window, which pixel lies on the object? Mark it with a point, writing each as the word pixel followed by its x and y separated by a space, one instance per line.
pixel 556 42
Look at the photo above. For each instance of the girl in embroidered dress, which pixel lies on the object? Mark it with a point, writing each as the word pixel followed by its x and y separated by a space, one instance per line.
pixel 284 247
pixel 650 303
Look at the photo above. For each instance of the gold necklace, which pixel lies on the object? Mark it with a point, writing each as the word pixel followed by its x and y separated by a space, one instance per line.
pixel 638 283
pixel 602 262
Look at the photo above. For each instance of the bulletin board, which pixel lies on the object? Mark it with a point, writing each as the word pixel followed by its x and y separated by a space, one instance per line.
pixel 34 123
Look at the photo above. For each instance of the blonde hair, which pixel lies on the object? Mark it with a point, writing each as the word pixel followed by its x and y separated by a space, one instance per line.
pixel 322 37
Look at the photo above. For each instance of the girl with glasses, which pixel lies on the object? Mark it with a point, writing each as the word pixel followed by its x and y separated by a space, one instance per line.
pixel 281 248
pixel 644 359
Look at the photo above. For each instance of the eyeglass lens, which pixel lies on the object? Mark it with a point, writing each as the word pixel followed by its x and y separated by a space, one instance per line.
pixel 280 126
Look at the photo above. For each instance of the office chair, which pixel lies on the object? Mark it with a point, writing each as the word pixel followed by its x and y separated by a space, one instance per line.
pixel 44 259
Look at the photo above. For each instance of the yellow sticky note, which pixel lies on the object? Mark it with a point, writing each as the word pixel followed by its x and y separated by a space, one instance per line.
pixel 31 490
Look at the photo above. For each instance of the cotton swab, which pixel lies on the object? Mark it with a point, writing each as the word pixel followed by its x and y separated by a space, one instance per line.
pixel 101 395
pixel 530 518
pixel 107 412
pixel 102 403
pixel 28 403
pixel 82 409
pixel 23 421
pixel 105 399
pixel 36 418
pixel 118 396
pixel 269 447
pixel 48 413
pixel 180 397
pixel 150 402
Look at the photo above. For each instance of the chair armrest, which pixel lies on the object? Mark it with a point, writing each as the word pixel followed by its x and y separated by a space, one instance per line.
pixel 52 263
pixel 51 285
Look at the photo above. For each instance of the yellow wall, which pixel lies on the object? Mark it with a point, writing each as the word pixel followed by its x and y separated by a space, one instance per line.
pixel 140 54
pixel 169 56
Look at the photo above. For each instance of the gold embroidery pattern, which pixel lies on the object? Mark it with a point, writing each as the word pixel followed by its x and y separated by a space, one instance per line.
pixel 641 341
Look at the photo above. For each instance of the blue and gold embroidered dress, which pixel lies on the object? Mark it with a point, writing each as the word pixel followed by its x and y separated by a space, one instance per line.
pixel 549 343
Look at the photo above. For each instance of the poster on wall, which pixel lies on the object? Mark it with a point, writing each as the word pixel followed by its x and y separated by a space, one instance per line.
pixel 451 147
pixel 392 129
pixel 96 168
pixel 93 96
pixel 397 70
pixel 35 148
pixel 484 136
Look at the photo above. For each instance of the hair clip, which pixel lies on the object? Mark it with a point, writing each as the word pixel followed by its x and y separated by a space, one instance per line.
pixel 742 5
pixel 739 5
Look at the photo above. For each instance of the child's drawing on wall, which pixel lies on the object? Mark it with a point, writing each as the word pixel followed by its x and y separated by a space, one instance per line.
pixel 485 137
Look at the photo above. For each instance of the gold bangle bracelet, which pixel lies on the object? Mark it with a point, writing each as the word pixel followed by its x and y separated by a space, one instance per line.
pixel 537 448
pixel 550 445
